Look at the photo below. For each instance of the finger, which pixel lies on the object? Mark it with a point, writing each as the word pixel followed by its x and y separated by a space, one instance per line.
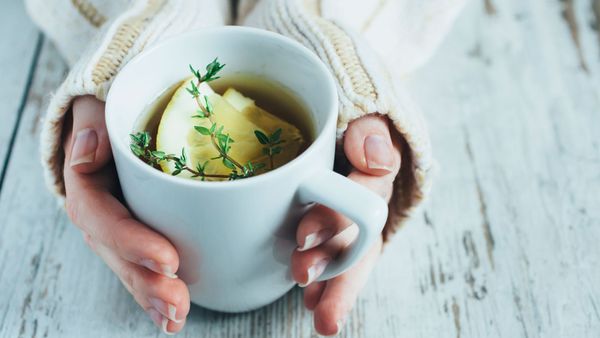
pixel 308 265
pixel 312 294
pixel 318 226
pixel 321 223
pixel 369 147
pixel 88 240
pixel 340 293
pixel 381 185
pixel 94 210
pixel 88 148
pixel 167 326
pixel 165 300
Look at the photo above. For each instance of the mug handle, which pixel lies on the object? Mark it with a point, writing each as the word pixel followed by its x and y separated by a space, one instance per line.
pixel 364 207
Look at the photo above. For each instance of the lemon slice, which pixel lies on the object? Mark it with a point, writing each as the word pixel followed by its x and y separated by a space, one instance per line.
pixel 239 116
pixel 268 123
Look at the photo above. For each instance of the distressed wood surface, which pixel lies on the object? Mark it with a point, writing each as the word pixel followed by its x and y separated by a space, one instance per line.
pixel 15 67
pixel 506 246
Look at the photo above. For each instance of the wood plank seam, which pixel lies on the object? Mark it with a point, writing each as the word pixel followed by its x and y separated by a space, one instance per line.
pixel 13 135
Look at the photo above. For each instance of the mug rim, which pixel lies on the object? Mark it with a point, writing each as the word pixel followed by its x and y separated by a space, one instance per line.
pixel 286 169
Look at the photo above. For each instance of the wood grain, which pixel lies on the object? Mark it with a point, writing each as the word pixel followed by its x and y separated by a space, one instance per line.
pixel 506 246
pixel 509 250
pixel 19 46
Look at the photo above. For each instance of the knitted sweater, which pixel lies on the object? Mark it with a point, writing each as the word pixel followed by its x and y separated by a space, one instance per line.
pixel 369 47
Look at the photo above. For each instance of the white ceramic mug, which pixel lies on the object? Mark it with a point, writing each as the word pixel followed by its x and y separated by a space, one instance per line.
pixel 235 239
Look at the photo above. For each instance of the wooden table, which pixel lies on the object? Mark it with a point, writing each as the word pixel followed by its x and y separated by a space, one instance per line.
pixel 508 244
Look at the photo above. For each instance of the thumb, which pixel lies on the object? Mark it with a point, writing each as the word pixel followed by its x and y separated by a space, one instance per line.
pixel 369 147
pixel 89 149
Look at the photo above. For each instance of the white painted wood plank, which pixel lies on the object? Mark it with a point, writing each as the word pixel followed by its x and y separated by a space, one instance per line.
pixel 506 246
pixel 18 40
pixel 515 127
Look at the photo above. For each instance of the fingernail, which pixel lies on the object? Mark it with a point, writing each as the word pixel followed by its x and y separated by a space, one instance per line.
pixel 163 269
pixel 340 326
pixel 166 309
pixel 315 239
pixel 165 322
pixel 314 272
pixel 167 271
pixel 155 316
pixel 84 147
pixel 378 153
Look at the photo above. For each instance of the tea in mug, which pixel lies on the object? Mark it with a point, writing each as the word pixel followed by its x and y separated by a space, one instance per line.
pixel 222 128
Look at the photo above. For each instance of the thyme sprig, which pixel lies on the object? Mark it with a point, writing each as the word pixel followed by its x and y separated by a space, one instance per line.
pixel 221 141
pixel 271 143
pixel 140 143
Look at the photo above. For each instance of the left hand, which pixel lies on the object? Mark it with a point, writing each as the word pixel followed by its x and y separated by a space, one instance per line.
pixel 375 158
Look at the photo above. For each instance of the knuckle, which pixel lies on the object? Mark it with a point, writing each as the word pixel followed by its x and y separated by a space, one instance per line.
pixel 113 240
pixel 141 300
pixel 173 291
pixel 113 243
pixel 129 279
pixel 165 253
pixel 340 307
pixel 89 241
pixel 72 209
pixel 180 292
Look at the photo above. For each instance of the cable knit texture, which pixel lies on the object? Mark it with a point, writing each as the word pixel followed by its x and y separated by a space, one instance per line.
pixel 352 37
pixel 136 27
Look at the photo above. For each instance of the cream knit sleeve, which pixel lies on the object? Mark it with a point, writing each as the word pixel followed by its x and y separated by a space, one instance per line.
pixel 72 24
pixel 115 39
pixel 368 46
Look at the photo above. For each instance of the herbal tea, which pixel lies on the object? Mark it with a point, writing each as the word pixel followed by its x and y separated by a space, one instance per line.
pixel 212 128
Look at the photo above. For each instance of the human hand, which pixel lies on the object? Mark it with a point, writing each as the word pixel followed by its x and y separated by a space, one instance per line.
pixel 144 260
pixel 375 158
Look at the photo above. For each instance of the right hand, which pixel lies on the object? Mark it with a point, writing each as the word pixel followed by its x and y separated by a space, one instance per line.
pixel 143 259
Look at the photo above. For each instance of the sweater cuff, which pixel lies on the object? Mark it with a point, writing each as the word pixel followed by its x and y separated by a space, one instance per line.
pixel 143 24
pixel 364 87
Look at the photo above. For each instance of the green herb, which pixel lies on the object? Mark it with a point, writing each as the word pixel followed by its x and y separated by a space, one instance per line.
pixel 272 144
pixel 140 143
pixel 220 140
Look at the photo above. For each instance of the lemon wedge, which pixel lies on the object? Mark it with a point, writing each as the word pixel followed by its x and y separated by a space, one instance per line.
pixel 238 115
pixel 268 123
